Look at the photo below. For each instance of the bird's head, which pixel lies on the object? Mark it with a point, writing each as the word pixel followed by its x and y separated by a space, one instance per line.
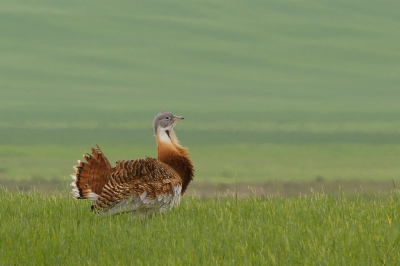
pixel 164 123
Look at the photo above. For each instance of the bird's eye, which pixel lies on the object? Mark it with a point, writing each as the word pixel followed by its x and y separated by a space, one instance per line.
pixel 167 118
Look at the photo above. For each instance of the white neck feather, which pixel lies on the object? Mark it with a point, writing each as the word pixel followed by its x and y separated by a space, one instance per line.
pixel 163 137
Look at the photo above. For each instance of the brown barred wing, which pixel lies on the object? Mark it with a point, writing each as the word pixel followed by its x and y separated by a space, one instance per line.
pixel 143 186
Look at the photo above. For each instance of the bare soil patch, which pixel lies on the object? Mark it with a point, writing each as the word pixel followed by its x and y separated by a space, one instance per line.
pixel 208 189
pixel 293 188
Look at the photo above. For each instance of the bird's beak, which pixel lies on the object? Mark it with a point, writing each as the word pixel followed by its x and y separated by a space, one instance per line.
pixel 177 118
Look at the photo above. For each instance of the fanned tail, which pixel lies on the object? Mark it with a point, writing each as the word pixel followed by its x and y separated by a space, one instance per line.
pixel 91 176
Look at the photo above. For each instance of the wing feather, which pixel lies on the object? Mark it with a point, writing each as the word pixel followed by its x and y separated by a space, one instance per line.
pixel 142 186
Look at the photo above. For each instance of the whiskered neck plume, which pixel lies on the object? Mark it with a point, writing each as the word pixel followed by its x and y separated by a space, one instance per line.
pixel 168 146
pixel 172 153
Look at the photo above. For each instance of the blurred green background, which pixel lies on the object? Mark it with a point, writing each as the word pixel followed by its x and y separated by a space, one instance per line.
pixel 284 90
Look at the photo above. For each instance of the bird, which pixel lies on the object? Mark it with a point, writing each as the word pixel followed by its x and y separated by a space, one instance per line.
pixel 143 187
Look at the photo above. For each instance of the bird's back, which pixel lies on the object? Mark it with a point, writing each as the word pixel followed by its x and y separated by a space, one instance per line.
pixel 143 186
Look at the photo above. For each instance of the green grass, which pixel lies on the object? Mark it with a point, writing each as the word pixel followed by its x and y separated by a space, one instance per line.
pixel 321 229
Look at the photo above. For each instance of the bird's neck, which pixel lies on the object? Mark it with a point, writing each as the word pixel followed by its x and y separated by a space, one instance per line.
pixel 177 157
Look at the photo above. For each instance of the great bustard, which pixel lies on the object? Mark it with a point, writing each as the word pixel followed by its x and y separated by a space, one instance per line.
pixel 142 186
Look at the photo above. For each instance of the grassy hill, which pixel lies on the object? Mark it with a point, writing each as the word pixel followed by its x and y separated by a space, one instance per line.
pixel 277 89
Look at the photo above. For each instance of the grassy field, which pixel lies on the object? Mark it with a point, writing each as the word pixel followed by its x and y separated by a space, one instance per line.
pixel 224 163
pixel 274 90
pixel 294 97
pixel 320 229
